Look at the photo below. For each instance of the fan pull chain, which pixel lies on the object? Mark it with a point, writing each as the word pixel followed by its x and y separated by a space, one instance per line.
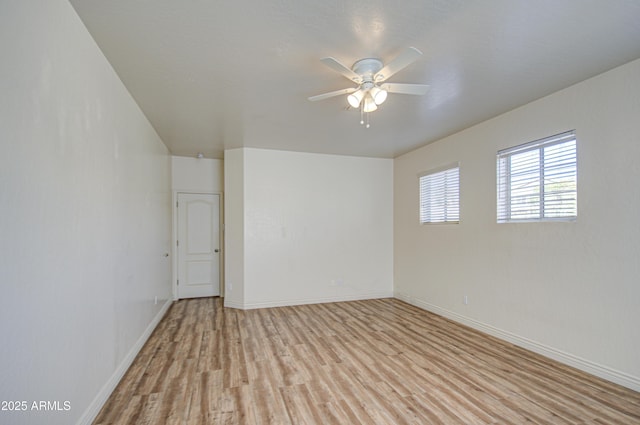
pixel 364 114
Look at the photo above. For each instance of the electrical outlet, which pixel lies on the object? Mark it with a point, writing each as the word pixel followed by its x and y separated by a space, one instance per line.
pixel 466 300
pixel 156 300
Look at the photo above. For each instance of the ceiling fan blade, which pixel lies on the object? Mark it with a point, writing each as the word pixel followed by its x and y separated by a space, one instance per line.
pixel 332 94
pixel 404 59
pixel 417 89
pixel 340 68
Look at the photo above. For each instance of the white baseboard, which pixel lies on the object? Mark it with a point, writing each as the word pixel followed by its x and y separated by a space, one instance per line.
pixel 233 304
pixel 588 366
pixel 337 299
pixel 103 395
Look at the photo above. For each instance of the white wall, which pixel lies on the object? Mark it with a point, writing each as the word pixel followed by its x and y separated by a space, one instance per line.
pixel 317 228
pixel 568 290
pixel 85 217
pixel 196 175
pixel 234 228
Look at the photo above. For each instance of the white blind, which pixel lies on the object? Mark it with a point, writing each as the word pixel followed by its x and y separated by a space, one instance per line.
pixel 440 196
pixel 537 181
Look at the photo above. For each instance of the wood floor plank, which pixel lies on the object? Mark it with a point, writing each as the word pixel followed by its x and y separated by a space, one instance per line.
pixel 362 362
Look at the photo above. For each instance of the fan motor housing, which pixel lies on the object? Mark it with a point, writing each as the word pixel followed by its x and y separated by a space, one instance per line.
pixel 367 68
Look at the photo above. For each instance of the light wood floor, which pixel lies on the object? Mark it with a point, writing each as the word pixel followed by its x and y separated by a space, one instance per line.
pixel 369 362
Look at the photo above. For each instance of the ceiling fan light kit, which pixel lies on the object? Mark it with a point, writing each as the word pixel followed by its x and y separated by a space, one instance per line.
pixel 369 74
pixel 379 95
pixel 355 98
pixel 369 104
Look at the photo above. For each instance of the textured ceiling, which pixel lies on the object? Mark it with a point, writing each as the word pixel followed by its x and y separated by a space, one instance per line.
pixel 213 75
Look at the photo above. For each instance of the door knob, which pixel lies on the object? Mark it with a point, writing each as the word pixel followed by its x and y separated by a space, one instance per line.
pixel 216 250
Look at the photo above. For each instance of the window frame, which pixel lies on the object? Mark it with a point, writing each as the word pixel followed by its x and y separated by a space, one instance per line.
pixel 446 195
pixel 504 205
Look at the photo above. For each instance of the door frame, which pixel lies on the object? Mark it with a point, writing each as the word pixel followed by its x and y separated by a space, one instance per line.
pixel 174 243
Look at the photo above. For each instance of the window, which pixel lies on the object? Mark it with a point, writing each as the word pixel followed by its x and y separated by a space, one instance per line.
pixel 440 195
pixel 537 181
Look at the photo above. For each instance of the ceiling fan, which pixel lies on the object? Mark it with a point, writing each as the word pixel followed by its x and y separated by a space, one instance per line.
pixel 370 75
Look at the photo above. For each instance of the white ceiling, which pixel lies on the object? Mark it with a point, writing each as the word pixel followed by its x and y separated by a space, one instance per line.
pixel 213 75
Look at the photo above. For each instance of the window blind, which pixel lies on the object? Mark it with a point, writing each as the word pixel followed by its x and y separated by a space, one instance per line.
pixel 537 181
pixel 440 196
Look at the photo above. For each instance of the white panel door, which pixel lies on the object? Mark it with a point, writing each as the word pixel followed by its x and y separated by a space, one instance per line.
pixel 198 245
